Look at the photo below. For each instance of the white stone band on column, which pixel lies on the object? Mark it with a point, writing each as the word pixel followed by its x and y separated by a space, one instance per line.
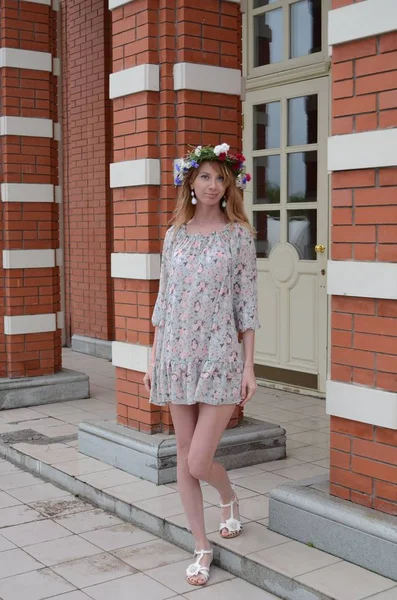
pixel 46 2
pixel 145 171
pixel 24 324
pixel 25 59
pixel 362 279
pixel 135 266
pixel 26 126
pixel 361 20
pixel 116 3
pixel 366 150
pixel 56 67
pixel 143 78
pixel 131 356
pixel 204 78
pixel 363 404
pixel 27 192
pixel 60 320
pixel 28 259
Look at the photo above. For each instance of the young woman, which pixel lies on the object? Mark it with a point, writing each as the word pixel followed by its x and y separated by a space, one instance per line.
pixel 207 295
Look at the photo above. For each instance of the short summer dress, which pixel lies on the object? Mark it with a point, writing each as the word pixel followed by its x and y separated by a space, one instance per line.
pixel 207 294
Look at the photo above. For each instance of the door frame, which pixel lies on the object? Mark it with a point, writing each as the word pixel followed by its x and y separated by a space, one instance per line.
pixel 318 85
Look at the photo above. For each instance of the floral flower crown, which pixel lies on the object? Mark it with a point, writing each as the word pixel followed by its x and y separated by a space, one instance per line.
pixel 194 158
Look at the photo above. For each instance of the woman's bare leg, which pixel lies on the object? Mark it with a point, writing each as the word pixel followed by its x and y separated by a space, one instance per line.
pixel 212 422
pixel 185 419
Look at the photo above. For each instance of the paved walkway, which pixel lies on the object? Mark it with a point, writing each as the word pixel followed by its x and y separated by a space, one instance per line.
pixel 44 439
pixel 55 546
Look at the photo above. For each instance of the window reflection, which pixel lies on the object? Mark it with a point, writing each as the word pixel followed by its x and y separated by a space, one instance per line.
pixel 268 38
pixel 267 179
pixel 267 125
pixel 302 232
pixel 305 28
pixel 302 120
pixel 267 225
pixel 302 177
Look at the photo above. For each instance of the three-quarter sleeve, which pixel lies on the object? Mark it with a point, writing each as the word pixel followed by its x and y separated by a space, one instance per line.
pixel 245 287
pixel 158 316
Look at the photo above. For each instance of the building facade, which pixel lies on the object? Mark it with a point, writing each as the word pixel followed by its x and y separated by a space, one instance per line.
pixel 97 101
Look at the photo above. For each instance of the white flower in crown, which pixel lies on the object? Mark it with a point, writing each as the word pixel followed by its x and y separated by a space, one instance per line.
pixel 198 151
pixel 222 148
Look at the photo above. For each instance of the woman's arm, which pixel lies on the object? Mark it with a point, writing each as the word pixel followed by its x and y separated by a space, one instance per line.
pixel 248 384
pixel 153 353
pixel 248 344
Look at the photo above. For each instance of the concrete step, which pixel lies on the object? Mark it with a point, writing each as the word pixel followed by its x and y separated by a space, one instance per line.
pixel 288 569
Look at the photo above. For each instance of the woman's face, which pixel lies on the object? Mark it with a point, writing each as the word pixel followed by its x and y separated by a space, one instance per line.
pixel 209 186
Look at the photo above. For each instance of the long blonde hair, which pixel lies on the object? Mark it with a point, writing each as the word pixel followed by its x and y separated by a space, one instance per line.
pixel 234 210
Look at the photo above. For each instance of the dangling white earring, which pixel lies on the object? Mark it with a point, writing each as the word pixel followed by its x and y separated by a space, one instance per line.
pixel 224 203
pixel 194 199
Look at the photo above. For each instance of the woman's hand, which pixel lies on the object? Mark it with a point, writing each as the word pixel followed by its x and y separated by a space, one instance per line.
pixel 248 385
pixel 147 380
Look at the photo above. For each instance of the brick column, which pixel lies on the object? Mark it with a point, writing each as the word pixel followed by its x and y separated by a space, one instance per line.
pixel 176 81
pixel 30 334
pixel 362 392
pixel 87 143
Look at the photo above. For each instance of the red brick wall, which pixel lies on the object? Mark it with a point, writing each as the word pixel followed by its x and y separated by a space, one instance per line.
pixel 364 228
pixel 25 159
pixel 87 136
pixel 162 125
pixel 364 464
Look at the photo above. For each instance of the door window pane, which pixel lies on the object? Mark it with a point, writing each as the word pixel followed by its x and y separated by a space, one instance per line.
pixel 302 120
pixel 302 232
pixel 302 177
pixel 305 34
pixel 267 126
pixel 268 38
pixel 267 179
pixel 260 3
pixel 267 224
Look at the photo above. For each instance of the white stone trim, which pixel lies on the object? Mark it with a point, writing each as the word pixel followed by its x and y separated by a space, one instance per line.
pixel 135 266
pixel 27 192
pixel 56 67
pixel 362 150
pixel 145 171
pixel 25 59
pixel 362 279
pixel 56 5
pixel 204 78
pixel 46 2
pixel 57 132
pixel 30 324
pixel 60 320
pixel 58 194
pixel 361 20
pixel 131 356
pixel 116 3
pixel 27 126
pixel 363 404
pixel 59 257
pixel 28 259
pixel 143 78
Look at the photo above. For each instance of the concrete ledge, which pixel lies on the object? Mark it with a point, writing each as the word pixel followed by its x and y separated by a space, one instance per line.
pixel 32 391
pixel 355 533
pixel 92 346
pixel 153 457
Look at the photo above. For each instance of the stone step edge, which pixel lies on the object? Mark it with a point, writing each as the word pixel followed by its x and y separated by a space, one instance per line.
pixel 259 575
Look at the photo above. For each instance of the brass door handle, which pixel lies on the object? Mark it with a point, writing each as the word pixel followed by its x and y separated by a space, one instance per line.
pixel 320 248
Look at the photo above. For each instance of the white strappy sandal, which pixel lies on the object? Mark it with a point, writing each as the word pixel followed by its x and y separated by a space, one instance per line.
pixel 232 525
pixel 196 569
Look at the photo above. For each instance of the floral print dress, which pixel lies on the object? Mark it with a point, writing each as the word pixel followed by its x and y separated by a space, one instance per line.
pixel 207 294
